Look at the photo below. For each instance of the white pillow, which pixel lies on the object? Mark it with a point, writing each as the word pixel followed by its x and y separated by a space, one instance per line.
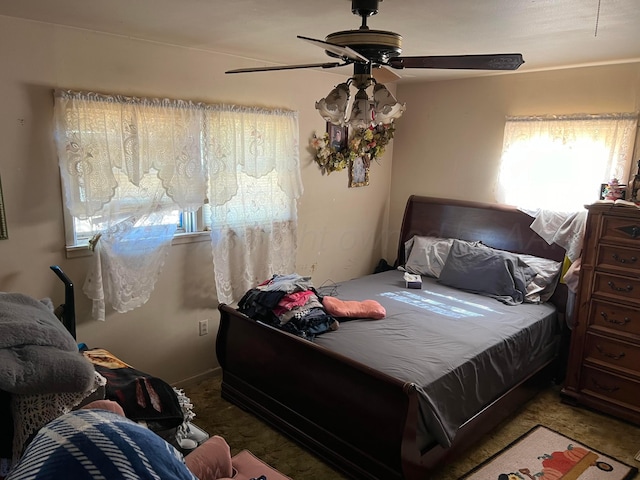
pixel 426 255
pixel 541 287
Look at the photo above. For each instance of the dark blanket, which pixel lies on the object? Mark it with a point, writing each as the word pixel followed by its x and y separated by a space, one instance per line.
pixel 143 397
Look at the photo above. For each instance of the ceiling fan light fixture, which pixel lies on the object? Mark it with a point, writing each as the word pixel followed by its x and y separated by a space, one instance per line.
pixel 362 111
pixel 387 108
pixel 333 107
pixel 365 112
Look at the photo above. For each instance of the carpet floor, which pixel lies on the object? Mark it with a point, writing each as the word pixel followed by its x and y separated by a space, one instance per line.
pixel 244 431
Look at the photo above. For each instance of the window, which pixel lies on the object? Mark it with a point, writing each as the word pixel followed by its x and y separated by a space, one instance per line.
pixel 267 202
pixel 122 152
pixel 123 205
pixel 135 171
pixel 559 162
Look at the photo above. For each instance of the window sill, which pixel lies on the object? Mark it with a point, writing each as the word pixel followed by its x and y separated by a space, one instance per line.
pixel 77 251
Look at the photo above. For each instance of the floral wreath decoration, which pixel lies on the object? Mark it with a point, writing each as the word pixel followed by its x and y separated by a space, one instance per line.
pixel 368 143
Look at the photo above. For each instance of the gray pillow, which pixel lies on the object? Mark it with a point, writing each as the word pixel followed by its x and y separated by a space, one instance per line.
pixel 426 255
pixel 545 279
pixel 494 273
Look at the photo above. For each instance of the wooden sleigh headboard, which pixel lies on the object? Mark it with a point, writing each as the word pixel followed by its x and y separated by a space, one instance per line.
pixel 499 226
pixel 474 221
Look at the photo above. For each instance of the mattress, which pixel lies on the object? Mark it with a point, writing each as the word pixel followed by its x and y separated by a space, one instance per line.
pixel 462 350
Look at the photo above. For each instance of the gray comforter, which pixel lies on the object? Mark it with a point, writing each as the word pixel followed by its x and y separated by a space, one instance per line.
pixel 37 353
pixel 461 349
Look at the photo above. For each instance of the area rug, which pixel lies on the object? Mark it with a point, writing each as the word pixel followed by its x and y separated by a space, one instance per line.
pixel 543 454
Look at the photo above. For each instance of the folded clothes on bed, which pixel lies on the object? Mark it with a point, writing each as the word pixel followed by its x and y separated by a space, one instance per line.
pixel 288 302
pixel 37 353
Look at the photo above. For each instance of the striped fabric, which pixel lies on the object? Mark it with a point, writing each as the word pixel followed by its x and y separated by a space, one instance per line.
pixel 96 444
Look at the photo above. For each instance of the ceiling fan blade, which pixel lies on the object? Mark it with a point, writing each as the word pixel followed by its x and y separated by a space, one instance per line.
pixel 384 74
pixel 506 61
pixel 288 67
pixel 345 53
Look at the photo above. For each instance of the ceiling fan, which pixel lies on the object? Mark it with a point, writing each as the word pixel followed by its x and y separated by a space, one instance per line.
pixel 375 54
pixel 371 50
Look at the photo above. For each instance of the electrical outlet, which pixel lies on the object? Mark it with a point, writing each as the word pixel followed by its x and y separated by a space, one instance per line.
pixel 203 326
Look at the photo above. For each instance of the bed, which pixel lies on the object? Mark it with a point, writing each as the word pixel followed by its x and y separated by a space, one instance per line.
pixel 370 418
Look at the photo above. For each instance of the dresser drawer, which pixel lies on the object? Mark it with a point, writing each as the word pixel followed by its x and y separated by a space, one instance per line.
pixel 617 287
pixel 614 317
pixel 613 387
pixel 620 259
pixel 621 230
pixel 614 354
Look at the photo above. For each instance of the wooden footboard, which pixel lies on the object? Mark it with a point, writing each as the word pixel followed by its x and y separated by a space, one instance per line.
pixel 308 392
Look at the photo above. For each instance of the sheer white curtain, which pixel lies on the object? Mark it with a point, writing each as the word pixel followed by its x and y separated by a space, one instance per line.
pixel 128 167
pixel 558 162
pixel 256 182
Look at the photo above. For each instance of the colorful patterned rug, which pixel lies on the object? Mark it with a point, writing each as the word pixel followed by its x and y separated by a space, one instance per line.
pixel 543 454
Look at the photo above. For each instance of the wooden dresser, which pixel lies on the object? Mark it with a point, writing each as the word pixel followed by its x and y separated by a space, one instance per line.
pixel 603 370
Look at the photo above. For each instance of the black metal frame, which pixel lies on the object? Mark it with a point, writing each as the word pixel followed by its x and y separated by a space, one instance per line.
pixel 68 313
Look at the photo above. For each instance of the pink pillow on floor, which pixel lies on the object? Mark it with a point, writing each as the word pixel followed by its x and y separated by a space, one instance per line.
pixel 211 460
pixel 353 308
pixel 249 466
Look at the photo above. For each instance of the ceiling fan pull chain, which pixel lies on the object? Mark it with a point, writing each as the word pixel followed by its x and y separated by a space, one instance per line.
pixel 595 33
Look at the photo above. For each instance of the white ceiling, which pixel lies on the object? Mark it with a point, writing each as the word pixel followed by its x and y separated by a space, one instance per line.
pixel 549 33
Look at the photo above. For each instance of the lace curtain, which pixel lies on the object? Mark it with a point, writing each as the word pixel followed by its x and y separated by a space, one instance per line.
pixel 253 228
pixel 129 166
pixel 558 162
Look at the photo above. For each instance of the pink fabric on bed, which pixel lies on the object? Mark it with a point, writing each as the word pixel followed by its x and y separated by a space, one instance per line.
pixel 353 309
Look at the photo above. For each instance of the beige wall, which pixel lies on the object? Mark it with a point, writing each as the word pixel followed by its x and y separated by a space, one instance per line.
pixel 449 140
pixel 338 226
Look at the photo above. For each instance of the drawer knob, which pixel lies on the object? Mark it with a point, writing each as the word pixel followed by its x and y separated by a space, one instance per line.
pixel 628 288
pixel 603 388
pixel 613 320
pixel 632 230
pixel 624 260
pixel 613 356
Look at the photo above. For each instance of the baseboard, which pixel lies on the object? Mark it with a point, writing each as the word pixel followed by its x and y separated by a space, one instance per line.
pixel 187 382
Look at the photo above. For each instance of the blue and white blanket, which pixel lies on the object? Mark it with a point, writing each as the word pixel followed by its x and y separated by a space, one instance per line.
pixel 96 444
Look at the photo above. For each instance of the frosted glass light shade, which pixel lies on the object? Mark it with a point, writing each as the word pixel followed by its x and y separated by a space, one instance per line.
pixel 362 113
pixel 387 108
pixel 333 107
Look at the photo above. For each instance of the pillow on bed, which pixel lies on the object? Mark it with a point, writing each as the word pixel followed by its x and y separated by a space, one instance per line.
pixel 426 255
pixel 490 272
pixel 547 274
pixel 353 308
